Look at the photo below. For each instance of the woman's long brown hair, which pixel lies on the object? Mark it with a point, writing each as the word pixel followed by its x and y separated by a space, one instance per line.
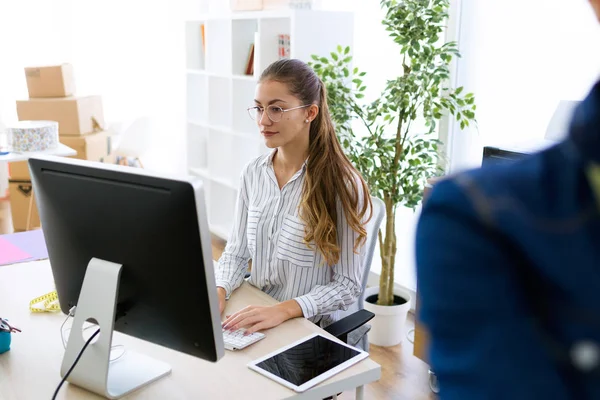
pixel 330 177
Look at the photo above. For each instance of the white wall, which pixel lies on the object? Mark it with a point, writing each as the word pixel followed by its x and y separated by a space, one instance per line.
pixel 129 52
pixel 521 58
pixel 132 53
pixel 32 32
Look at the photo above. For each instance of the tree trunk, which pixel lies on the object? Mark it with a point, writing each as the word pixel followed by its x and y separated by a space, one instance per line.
pixel 388 256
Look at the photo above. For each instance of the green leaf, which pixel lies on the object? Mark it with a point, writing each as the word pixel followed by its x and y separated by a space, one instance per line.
pixel 324 60
pixel 334 56
pixel 339 48
pixel 347 50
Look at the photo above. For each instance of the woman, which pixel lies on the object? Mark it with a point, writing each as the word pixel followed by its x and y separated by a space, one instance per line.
pixel 301 209
pixel 508 268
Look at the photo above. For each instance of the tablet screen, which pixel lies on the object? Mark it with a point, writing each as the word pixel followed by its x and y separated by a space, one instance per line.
pixel 307 360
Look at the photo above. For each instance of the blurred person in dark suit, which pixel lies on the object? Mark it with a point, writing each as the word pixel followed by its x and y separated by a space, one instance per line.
pixel 508 272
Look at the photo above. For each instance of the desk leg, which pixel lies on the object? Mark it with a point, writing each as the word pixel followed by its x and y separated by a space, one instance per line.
pixel 360 393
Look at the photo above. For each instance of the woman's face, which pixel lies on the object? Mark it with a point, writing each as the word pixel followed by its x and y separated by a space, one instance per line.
pixel 284 127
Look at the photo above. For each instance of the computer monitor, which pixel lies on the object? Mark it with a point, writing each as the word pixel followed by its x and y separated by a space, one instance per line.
pixel 131 249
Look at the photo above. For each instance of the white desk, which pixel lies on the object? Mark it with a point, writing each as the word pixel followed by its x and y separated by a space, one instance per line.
pixel 61 150
pixel 30 370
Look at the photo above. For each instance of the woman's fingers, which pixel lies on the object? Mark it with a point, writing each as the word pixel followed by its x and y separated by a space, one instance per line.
pixel 247 321
pixel 236 318
pixel 264 324
pixel 235 314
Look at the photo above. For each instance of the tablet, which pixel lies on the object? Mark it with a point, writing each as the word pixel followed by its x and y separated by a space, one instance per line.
pixel 307 362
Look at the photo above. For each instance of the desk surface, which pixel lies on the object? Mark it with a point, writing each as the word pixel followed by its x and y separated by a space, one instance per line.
pixel 61 150
pixel 30 370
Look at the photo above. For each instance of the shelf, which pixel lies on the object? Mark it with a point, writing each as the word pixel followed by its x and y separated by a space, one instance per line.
pixel 223 201
pixel 219 156
pixel 195 52
pixel 243 97
pixel 203 72
pixel 196 71
pixel 198 123
pixel 218 45
pixel 197 98
pixel 197 146
pixel 250 78
pixel 243 33
pixel 219 102
pixel 268 45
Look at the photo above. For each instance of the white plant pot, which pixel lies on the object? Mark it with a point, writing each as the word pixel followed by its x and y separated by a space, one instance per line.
pixel 387 328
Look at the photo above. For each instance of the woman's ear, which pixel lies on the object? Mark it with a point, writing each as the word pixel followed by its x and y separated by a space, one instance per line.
pixel 312 112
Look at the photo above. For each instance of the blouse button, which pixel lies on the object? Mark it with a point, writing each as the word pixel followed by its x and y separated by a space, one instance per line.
pixel 585 355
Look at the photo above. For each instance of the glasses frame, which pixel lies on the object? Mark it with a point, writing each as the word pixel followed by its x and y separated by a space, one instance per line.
pixel 262 110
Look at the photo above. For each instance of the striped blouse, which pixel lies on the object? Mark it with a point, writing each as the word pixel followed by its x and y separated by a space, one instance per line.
pixel 268 230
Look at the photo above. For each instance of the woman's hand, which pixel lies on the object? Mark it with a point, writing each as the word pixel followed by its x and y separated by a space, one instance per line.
pixel 257 318
pixel 221 293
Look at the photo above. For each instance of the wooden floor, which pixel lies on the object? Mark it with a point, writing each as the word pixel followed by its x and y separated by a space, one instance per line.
pixel 403 376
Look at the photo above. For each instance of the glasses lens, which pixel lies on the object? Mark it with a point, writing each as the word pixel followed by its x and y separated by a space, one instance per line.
pixel 275 113
pixel 254 113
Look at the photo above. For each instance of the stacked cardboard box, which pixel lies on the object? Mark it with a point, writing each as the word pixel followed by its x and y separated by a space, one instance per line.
pixel 80 120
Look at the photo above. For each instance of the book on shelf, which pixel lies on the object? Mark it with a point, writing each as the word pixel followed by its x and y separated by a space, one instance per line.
pixel 283 46
pixel 250 62
pixel 203 38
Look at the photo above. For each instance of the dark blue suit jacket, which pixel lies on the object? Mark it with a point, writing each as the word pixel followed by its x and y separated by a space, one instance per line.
pixel 508 272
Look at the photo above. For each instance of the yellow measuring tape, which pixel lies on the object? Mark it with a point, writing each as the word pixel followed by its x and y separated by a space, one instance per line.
pixel 49 302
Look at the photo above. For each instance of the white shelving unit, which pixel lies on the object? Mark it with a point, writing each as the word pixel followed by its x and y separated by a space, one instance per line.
pixel 221 138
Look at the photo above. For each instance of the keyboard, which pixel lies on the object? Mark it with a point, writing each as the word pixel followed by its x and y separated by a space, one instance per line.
pixel 236 340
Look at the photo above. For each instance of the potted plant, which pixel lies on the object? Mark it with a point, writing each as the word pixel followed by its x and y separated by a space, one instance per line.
pixel 398 149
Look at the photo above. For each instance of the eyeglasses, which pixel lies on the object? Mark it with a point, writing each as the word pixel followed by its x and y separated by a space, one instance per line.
pixel 275 113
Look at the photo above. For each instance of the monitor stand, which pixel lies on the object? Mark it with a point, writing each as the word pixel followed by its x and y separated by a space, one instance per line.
pixel 94 371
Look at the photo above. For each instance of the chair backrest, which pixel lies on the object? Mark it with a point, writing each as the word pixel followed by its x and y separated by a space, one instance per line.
pixel 372 237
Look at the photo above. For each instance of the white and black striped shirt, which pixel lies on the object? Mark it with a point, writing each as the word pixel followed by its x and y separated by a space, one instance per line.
pixel 267 230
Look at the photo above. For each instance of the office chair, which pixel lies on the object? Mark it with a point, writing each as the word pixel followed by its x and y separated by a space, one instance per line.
pixel 352 328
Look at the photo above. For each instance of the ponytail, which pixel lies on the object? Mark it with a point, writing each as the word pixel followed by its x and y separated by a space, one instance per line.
pixel 331 179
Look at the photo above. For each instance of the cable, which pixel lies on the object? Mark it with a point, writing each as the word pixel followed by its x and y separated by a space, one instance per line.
pixel 75 363
pixel 64 331
pixel 410 335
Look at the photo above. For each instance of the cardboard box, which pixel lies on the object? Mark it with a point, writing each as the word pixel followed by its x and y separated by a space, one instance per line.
pixel 19 170
pixel 75 115
pixel 21 198
pixel 93 147
pixel 50 81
